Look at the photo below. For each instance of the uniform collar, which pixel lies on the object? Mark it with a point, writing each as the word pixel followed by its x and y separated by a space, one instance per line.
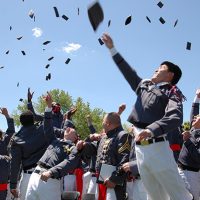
pixel 114 131
pixel 162 84
pixel 68 142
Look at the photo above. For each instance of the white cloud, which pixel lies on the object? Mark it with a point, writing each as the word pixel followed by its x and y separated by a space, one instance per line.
pixel 37 32
pixel 71 47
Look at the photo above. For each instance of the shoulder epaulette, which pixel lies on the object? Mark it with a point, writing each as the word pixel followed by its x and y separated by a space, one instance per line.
pixel 174 90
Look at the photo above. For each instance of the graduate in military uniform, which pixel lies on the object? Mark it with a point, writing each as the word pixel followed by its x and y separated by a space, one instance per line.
pixel 135 187
pixel 113 149
pixel 158 110
pixel 27 147
pixel 57 151
pixel 4 154
pixel 189 158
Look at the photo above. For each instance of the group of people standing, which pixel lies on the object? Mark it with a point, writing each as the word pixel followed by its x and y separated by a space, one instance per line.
pixel 156 161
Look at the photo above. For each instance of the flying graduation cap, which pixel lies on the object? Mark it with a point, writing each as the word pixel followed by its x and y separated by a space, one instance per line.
pixel 48 77
pixel 175 22
pixel 67 61
pixel 109 22
pixel 56 11
pixel 23 53
pixel 161 20
pixel 47 66
pixel 50 58
pixel 95 14
pixel 100 41
pixel 31 14
pixel 148 19
pixel 19 38
pixel 188 46
pixel 160 4
pixel 47 42
pixel 128 20
pixel 1 67
pixel 65 17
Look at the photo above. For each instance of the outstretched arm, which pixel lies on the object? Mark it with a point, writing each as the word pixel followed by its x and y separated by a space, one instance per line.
pixel 129 73
pixel 37 117
pixel 195 105
pixel 121 109
pixel 11 128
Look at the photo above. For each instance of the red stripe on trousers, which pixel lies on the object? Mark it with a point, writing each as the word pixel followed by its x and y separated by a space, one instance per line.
pixel 102 192
pixel 175 147
pixel 79 181
pixel 3 186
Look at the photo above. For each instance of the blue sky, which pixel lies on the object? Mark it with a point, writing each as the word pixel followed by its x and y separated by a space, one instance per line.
pixel 91 73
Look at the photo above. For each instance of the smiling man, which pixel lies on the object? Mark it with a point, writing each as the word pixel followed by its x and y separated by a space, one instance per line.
pixel 157 112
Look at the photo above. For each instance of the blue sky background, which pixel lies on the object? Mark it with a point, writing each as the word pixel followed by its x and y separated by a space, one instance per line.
pixel 91 73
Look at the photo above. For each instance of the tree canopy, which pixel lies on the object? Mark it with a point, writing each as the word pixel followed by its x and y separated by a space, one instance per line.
pixel 66 102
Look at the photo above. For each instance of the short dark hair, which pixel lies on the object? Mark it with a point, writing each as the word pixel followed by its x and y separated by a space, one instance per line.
pixel 27 118
pixel 175 69
pixel 113 118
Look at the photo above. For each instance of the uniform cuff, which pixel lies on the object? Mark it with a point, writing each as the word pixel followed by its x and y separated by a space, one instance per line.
pixel 196 99
pixel 152 135
pixel 155 129
pixel 188 143
pixel 47 109
pixel 113 51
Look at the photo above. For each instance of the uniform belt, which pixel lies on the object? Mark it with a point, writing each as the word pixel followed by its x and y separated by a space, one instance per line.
pixel 150 141
pixel 40 171
pixel 184 167
pixel 70 173
pixel 43 165
pixel 3 186
pixel 30 171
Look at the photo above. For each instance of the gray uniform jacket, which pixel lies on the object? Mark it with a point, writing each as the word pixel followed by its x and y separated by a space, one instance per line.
pixel 28 146
pixel 194 111
pixel 190 152
pixel 4 154
pixel 157 109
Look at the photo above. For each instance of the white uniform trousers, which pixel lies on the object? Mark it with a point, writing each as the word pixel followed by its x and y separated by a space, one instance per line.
pixel 69 183
pixel 192 181
pixel 110 194
pixel 136 190
pixel 92 185
pixel 41 190
pixel 23 184
pixel 86 181
pixel 159 172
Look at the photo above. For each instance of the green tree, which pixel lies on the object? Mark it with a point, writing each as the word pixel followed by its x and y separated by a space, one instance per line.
pixel 66 102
